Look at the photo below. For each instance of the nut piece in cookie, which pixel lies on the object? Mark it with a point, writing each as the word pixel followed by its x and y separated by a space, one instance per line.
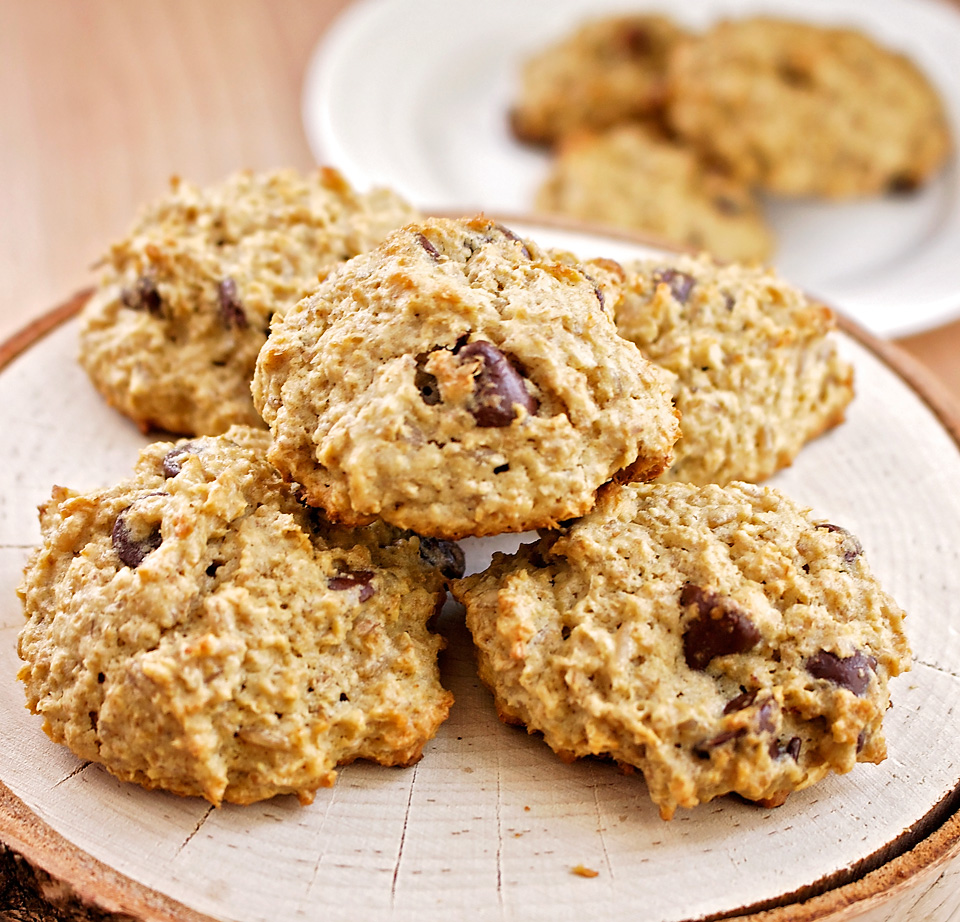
pixel 800 109
pixel 757 373
pixel 459 380
pixel 605 72
pixel 719 639
pixel 197 629
pixel 171 336
pixel 633 177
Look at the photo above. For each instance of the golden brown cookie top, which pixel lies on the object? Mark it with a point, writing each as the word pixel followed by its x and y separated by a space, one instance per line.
pixel 756 368
pixel 718 639
pixel 459 380
pixel 197 629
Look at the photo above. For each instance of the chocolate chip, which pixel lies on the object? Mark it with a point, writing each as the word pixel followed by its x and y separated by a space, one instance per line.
pixel 446 556
pixel 172 460
pixel 850 672
pixel 795 73
pixel 740 702
pixel 428 246
pixel 510 235
pixel 792 749
pixel 637 41
pixel 903 183
pixel 426 383
pixel 850 544
pixel 350 578
pixel 704 748
pixel 597 290
pixel 498 386
pixel 766 715
pixel 681 283
pixel 132 547
pixel 231 307
pixel 144 296
pixel 727 205
pixel 719 629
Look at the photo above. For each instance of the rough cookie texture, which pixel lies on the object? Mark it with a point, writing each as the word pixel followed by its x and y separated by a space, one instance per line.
pixel 606 71
pixel 171 336
pixel 460 381
pixel 197 629
pixel 718 639
pixel 756 369
pixel 633 177
pixel 801 109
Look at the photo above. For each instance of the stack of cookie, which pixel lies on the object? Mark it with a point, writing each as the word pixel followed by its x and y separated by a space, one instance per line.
pixel 253 607
pixel 660 129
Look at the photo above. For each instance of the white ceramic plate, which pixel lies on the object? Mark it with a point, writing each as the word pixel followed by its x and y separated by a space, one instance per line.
pixel 414 94
pixel 490 824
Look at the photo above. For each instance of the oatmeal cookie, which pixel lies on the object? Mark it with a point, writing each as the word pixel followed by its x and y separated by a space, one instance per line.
pixel 197 629
pixel 171 336
pixel 719 639
pixel 459 380
pixel 633 177
pixel 757 373
pixel 607 71
pixel 800 109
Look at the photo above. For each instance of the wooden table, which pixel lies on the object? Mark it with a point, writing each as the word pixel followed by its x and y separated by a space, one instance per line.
pixel 101 101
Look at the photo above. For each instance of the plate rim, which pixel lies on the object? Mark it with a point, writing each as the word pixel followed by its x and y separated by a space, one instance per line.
pixel 355 20
pixel 922 849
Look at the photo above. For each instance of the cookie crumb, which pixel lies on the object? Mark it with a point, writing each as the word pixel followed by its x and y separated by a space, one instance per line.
pixel 583 871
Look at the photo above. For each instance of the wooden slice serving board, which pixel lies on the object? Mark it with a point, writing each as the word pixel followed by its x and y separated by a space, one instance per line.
pixel 490 825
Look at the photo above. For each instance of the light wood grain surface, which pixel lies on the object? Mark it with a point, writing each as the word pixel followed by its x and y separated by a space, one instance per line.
pixel 102 100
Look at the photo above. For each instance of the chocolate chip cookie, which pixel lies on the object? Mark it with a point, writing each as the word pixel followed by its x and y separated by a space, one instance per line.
pixel 459 380
pixel 757 372
pixel 800 109
pixel 171 336
pixel 634 177
pixel 719 639
pixel 197 629
pixel 608 70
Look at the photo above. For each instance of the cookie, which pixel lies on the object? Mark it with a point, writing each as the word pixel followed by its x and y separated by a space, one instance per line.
pixel 608 70
pixel 195 628
pixel 635 178
pixel 171 336
pixel 756 369
pixel 800 109
pixel 459 380
pixel 718 639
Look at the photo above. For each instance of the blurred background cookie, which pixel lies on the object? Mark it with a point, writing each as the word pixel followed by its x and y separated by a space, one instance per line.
pixel 609 70
pixel 801 109
pixel 634 177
